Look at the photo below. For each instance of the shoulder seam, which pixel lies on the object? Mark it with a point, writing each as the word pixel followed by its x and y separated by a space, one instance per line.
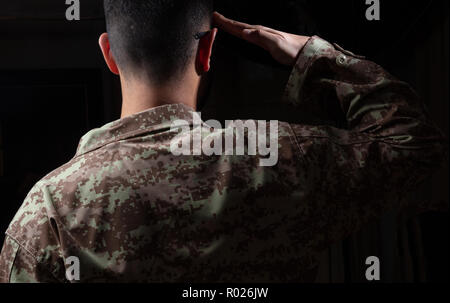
pixel 22 246
pixel 295 141
pixel 7 275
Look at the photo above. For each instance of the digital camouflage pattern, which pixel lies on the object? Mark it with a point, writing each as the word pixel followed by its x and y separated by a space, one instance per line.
pixel 133 212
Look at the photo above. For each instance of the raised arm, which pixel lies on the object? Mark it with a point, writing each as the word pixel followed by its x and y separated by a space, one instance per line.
pixel 355 173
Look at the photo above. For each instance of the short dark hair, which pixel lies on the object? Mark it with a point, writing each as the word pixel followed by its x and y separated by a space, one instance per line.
pixel 155 36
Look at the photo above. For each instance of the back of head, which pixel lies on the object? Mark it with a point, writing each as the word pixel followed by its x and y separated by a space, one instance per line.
pixel 155 38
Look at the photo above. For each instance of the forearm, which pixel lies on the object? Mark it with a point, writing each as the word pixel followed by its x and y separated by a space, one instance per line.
pixel 373 103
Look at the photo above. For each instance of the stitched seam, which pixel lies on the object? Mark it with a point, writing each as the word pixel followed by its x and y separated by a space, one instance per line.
pixel 293 138
pixel 7 274
pixel 21 246
pixel 14 261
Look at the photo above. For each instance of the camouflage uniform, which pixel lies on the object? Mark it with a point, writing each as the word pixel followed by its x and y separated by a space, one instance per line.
pixel 131 211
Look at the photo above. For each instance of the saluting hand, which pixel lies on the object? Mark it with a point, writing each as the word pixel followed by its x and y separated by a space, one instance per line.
pixel 283 47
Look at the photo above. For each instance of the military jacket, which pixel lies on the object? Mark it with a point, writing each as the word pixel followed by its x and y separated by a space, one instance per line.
pixel 131 211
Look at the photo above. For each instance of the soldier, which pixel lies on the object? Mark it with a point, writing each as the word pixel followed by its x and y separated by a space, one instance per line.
pixel 129 210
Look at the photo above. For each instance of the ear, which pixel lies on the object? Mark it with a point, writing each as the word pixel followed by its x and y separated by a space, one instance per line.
pixel 107 54
pixel 203 60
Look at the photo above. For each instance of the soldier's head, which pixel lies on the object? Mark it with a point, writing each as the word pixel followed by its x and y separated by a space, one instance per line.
pixel 157 40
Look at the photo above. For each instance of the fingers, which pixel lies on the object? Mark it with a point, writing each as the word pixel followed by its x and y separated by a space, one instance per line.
pixel 283 47
pixel 236 27
pixel 261 37
pixel 230 26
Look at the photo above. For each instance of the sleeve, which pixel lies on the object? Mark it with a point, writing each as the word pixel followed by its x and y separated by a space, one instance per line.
pixel 32 250
pixel 381 145
pixel 7 257
pixel 19 266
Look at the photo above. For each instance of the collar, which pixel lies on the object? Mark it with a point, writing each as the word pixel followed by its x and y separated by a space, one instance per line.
pixel 153 120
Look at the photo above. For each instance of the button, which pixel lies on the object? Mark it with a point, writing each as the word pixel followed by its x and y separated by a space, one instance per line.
pixel 341 59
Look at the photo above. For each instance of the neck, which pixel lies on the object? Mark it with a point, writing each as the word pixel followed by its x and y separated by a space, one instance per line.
pixel 139 96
